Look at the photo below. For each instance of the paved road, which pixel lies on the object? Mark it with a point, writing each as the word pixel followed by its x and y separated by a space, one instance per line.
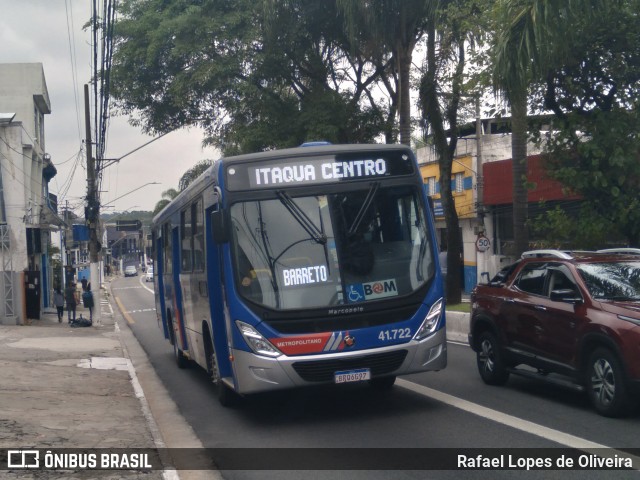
pixel 448 409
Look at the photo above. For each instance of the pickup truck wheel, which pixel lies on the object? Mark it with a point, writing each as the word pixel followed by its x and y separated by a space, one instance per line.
pixel 606 384
pixel 490 362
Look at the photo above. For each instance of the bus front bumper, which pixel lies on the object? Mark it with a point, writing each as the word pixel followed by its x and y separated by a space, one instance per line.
pixel 256 373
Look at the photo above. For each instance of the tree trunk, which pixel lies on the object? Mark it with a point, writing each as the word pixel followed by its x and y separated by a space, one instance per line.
pixel 432 112
pixel 453 287
pixel 404 107
pixel 519 164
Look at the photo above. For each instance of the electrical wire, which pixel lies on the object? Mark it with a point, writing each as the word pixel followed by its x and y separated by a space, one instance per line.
pixel 72 60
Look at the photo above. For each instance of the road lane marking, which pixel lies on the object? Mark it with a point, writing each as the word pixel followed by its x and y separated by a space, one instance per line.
pixel 547 433
pixel 143 285
pixel 126 316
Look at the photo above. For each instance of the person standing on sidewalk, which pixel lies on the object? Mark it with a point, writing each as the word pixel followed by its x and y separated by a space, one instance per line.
pixel 71 296
pixel 87 299
pixel 58 301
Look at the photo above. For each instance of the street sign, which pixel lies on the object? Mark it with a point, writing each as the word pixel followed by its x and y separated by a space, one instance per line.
pixel 483 243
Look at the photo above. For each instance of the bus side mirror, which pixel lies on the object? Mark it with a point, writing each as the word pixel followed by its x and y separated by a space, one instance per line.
pixel 218 226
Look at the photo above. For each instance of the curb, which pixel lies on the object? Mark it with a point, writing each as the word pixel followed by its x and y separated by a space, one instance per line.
pixel 168 427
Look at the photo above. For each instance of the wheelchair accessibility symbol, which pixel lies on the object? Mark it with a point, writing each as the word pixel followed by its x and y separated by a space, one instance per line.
pixel 355 293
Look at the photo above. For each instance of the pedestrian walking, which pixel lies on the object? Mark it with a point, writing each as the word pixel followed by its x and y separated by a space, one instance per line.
pixel 58 301
pixel 71 297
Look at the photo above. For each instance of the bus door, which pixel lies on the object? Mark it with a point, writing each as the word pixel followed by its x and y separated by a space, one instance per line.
pixel 158 268
pixel 217 296
pixel 178 307
pixel 193 279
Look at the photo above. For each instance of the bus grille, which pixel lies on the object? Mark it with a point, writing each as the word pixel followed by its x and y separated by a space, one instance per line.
pixel 323 370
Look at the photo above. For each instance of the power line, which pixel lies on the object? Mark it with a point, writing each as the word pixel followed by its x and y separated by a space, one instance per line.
pixel 72 60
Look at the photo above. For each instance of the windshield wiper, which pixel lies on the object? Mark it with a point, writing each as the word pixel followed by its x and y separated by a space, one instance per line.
pixel 363 208
pixel 302 218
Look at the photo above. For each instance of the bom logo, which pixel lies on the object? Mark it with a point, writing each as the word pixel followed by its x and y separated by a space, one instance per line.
pixel 358 292
pixel 383 288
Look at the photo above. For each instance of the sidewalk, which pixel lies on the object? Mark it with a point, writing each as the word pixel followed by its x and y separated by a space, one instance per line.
pixel 94 388
pixel 65 388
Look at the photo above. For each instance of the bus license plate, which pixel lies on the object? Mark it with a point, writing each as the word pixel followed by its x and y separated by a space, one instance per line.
pixel 348 376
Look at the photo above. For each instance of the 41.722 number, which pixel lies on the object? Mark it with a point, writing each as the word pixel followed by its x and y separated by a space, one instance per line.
pixel 394 334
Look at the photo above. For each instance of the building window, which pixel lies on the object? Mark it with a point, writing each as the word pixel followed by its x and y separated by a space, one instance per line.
pixel 167 248
pixel 185 240
pixel 459 182
pixel 198 236
pixel 431 182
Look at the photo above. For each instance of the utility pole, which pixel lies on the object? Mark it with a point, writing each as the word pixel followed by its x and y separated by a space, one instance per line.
pixel 92 214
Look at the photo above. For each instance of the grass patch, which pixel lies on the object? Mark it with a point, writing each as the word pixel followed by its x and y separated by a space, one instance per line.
pixel 460 307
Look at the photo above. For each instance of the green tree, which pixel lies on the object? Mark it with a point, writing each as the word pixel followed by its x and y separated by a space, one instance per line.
pixel 254 75
pixel 594 147
pixel 194 172
pixel 186 179
pixel 450 33
pixel 560 230
pixel 393 27
pixel 516 46
pixel 532 38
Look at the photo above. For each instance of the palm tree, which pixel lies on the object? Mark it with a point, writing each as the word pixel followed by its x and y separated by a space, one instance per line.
pixel 532 37
pixel 193 173
pixel 395 26
pixel 167 196
pixel 185 180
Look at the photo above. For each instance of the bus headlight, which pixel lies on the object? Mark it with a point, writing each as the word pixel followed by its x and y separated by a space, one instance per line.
pixel 256 341
pixel 431 321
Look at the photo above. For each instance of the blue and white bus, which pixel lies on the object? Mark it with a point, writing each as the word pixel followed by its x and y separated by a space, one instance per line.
pixel 305 266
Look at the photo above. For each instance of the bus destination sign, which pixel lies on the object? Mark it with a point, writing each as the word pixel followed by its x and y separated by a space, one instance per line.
pixel 307 171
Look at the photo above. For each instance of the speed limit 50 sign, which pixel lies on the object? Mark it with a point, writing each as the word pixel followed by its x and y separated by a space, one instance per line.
pixel 483 243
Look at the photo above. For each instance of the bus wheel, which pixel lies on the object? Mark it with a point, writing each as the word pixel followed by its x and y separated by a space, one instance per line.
pixel 383 383
pixel 178 355
pixel 226 396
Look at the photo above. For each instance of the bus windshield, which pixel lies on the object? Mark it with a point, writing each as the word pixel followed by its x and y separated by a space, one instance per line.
pixel 327 250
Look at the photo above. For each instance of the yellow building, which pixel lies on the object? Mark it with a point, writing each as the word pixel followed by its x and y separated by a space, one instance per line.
pixel 464 197
pixel 461 186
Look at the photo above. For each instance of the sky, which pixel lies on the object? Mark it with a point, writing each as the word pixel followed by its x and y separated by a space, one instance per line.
pixel 50 32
